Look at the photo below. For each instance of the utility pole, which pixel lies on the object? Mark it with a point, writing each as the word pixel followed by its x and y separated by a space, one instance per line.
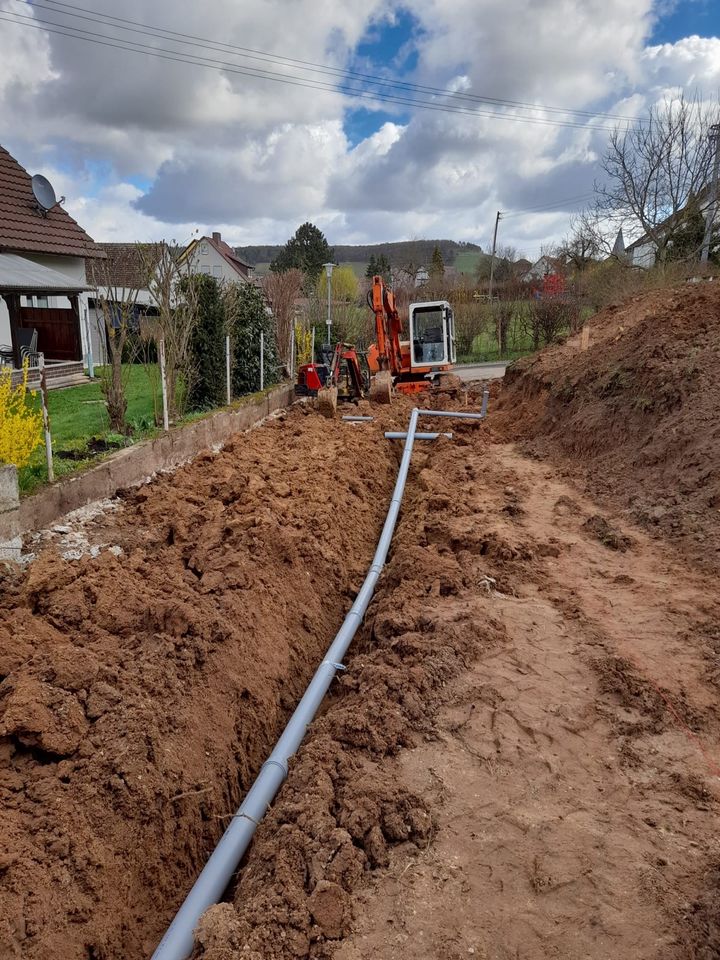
pixel 328 275
pixel 492 257
pixel 714 135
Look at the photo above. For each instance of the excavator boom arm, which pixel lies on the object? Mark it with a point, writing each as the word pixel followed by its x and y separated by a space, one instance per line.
pixel 387 326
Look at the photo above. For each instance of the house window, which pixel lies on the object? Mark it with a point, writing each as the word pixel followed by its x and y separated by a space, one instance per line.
pixel 205 269
pixel 41 302
pixel 203 249
pixel 216 270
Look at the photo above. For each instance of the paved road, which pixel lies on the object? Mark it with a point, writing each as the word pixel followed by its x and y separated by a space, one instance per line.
pixel 481 371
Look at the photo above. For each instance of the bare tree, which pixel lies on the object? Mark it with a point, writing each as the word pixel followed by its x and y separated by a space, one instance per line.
pixel 117 318
pixel 582 246
pixel 177 315
pixel 282 291
pixel 656 167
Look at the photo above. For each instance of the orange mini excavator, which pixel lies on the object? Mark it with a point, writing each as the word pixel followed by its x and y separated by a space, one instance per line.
pixel 411 365
pixel 342 378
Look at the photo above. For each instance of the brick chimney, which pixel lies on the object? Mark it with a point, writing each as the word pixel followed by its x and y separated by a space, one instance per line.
pixel 216 237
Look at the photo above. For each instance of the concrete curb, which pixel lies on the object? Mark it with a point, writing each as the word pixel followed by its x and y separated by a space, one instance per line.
pixel 134 464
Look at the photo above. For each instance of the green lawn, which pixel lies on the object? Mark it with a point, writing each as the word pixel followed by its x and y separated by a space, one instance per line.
pixel 485 349
pixel 78 414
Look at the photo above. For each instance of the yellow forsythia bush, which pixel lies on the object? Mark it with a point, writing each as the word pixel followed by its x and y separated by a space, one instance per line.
pixel 21 426
pixel 303 344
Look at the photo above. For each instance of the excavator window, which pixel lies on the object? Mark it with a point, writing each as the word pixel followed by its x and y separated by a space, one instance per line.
pixel 428 335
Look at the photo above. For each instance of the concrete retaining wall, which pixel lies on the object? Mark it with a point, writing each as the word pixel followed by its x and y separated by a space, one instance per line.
pixel 134 464
pixel 10 542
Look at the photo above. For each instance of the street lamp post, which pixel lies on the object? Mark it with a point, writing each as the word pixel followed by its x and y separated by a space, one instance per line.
pixel 328 274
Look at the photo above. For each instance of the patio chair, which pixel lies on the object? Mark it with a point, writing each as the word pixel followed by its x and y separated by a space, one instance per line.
pixel 27 342
pixel 7 358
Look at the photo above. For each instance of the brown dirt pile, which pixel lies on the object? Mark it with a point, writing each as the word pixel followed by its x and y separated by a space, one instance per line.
pixel 636 412
pixel 141 692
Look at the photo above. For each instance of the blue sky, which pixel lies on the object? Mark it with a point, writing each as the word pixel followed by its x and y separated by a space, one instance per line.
pixel 688 17
pixel 387 49
pixel 146 148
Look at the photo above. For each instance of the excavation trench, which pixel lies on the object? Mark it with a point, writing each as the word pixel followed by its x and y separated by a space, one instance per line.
pixel 341 811
pixel 144 687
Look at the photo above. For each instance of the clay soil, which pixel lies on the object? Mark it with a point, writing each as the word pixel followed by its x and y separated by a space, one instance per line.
pixel 520 761
pixel 636 415
pixel 145 686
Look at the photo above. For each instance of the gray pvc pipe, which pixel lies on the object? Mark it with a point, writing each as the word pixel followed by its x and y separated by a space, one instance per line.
pixel 177 944
pixel 178 941
pixel 452 413
pixel 486 397
pixel 399 435
pixel 357 419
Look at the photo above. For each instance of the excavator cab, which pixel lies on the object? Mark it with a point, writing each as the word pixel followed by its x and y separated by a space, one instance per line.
pixel 432 335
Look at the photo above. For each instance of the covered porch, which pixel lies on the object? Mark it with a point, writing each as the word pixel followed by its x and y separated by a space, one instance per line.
pixel 42 316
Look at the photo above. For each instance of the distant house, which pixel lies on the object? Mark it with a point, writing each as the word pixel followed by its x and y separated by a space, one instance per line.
pixel 640 253
pixel 520 268
pixel 544 267
pixel 421 276
pixel 43 255
pixel 211 255
pixel 120 276
pixel 643 251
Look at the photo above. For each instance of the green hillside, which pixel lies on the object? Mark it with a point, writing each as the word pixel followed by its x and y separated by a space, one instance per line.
pixel 405 252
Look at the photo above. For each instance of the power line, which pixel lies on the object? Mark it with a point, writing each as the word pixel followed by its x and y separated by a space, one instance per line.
pixel 548 207
pixel 175 36
pixel 132 46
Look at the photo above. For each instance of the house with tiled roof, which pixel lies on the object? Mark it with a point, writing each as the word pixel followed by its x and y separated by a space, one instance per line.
pixel 43 253
pixel 122 276
pixel 123 267
pixel 212 255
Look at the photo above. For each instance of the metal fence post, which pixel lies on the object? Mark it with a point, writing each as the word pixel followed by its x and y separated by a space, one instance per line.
pixel 161 355
pixel 262 360
pixel 227 370
pixel 46 418
pixel 88 334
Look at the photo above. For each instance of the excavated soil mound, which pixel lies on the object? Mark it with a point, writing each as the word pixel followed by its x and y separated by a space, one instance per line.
pixel 637 412
pixel 144 686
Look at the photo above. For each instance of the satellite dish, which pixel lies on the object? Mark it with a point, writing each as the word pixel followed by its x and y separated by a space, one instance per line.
pixel 43 192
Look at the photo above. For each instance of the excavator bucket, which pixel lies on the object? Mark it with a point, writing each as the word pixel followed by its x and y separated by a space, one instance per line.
pixel 381 387
pixel 327 401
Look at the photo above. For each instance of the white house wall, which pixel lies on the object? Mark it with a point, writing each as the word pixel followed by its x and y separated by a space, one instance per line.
pixel 643 256
pixel 4 324
pixel 72 267
pixel 206 259
pixel 92 322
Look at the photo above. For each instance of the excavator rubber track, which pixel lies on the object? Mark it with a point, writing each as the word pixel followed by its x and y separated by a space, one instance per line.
pixel 327 398
pixel 381 387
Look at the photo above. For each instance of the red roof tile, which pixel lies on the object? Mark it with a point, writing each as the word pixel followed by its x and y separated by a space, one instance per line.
pixel 124 267
pixel 226 251
pixel 24 229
